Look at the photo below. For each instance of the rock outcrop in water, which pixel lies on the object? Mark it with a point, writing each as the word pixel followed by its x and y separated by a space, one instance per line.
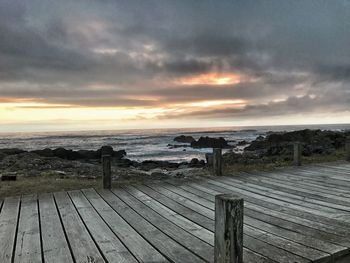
pixel 207 142
pixel 184 139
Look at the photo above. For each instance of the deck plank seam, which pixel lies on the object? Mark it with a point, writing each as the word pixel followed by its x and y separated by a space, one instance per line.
pixel 200 256
pixel 40 232
pixel 16 231
pixel 165 256
pixel 300 207
pixel 258 211
pixel 126 189
pixel 272 245
pixel 293 196
pixel 86 228
pixel 331 242
pixel 182 206
pixel 251 225
pixel 121 241
pixel 64 229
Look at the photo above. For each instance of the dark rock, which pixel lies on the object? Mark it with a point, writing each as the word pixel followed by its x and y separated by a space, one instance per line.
pixel 2 156
pixel 194 161
pixel 105 150
pixel 88 154
pixel 313 142
pixel 11 151
pixel 207 142
pixel 46 152
pixel 184 139
pixel 172 146
pixel 260 138
pixel 63 153
pixel 241 143
pixel 125 163
pixel 149 165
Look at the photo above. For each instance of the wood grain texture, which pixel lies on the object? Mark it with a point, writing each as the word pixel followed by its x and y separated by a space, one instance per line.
pixel 8 227
pixel 298 214
pixel 228 229
pixel 55 245
pixel 83 246
pixel 28 246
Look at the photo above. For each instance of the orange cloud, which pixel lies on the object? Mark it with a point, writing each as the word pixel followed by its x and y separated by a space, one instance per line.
pixel 212 78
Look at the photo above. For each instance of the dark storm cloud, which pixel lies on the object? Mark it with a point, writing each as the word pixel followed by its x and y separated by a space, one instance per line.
pixel 59 51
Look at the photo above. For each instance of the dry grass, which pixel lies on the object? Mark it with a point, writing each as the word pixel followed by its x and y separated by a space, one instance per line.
pixel 48 184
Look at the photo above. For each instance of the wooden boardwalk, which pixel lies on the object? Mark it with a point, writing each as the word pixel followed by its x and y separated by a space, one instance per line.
pixel 291 215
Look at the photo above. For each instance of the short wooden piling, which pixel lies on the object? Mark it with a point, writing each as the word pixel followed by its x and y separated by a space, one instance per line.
pixel 297 154
pixel 228 229
pixel 217 161
pixel 347 148
pixel 106 172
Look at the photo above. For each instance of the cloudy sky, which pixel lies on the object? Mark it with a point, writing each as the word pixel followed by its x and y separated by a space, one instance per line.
pixel 85 64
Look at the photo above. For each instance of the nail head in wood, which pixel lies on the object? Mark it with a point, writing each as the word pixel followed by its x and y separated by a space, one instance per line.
pixel 228 229
pixel 217 161
pixel 106 171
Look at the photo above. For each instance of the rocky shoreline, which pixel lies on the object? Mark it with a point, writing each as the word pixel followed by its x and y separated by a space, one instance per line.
pixel 86 163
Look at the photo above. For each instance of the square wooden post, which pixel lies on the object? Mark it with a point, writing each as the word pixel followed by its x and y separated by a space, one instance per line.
pixel 228 229
pixel 106 172
pixel 347 148
pixel 217 161
pixel 297 154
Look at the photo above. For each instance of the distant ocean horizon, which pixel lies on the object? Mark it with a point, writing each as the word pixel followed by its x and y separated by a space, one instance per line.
pixel 148 144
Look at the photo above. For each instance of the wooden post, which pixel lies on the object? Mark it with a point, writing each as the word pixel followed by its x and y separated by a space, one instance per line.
pixel 347 148
pixel 217 161
pixel 228 229
pixel 106 168
pixel 297 154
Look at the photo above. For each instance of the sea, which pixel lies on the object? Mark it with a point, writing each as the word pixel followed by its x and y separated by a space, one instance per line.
pixel 147 144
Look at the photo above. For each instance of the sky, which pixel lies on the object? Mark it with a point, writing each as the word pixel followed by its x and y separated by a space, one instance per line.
pixel 118 64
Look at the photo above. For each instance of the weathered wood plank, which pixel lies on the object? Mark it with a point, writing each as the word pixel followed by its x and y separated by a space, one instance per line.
pixel 28 245
pixel 342 217
pixel 109 244
pixel 184 201
pixel 308 240
pixel 284 194
pixel 54 243
pixel 295 188
pixel 189 241
pixel 332 233
pixel 8 227
pixel 173 216
pixel 158 239
pixel 282 253
pixel 82 245
pixel 268 203
pixel 300 182
pixel 179 208
pixel 311 203
pixel 137 245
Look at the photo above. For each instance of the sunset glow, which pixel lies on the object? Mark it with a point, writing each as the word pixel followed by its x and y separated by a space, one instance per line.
pixel 211 78
pixel 112 64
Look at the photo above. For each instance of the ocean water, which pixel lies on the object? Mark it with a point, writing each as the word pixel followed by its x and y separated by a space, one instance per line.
pixel 147 144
